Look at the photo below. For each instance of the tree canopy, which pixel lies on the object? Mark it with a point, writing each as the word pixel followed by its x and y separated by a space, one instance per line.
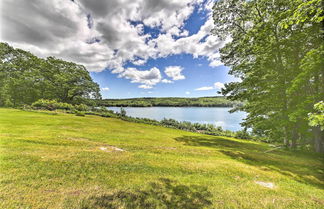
pixel 217 101
pixel 277 51
pixel 25 78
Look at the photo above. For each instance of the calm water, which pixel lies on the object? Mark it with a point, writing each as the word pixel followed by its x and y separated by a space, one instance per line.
pixel 218 116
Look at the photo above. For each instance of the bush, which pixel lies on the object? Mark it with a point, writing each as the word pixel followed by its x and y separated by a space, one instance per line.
pixel 64 106
pixel 8 103
pixel 242 135
pixel 81 107
pixel 45 104
pixel 54 105
pixel 122 112
pixel 51 105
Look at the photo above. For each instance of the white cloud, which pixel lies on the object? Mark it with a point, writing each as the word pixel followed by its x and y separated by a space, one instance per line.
pixel 147 78
pixel 105 89
pixel 101 34
pixel 166 81
pixel 205 88
pixel 215 63
pixel 174 72
pixel 217 85
pixel 144 86
pixel 187 92
pixel 139 62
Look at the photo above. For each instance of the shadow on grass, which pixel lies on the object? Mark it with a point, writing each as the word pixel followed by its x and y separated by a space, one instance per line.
pixel 39 142
pixel 304 167
pixel 165 193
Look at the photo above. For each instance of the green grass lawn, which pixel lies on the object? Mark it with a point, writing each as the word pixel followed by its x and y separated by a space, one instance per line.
pixel 66 161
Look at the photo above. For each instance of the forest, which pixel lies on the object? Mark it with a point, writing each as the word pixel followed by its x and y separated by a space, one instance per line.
pixel 217 101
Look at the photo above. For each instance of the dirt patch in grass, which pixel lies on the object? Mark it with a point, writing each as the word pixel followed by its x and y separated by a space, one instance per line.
pixel 109 148
pixel 269 185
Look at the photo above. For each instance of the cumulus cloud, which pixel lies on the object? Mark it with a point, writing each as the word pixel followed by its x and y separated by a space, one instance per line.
pixel 174 72
pixel 105 89
pixel 166 81
pixel 217 85
pixel 205 88
pixel 187 92
pixel 103 34
pixel 147 78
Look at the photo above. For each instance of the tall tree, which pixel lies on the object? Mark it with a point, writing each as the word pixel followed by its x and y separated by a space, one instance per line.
pixel 25 78
pixel 270 51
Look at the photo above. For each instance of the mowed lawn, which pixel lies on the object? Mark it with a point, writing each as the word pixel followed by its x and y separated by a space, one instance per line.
pixel 64 161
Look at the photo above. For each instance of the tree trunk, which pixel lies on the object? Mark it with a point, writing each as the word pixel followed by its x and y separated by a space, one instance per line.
pixel 318 139
pixel 294 138
pixel 286 137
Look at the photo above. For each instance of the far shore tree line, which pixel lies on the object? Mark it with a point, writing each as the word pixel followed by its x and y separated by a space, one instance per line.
pixel 216 101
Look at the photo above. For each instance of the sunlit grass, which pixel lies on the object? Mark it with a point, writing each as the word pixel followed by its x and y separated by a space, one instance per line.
pixel 56 161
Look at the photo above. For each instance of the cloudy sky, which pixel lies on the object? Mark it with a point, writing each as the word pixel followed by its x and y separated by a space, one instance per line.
pixel 132 48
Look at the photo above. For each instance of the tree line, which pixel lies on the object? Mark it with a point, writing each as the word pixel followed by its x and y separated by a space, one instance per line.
pixel 217 101
pixel 26 78
pixel 276 49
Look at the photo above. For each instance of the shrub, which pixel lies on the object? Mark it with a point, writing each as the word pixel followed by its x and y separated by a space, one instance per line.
pixel 45 104
pixel 8 103
pixel 51 105
pixel 81 107
pixel 64 106
pixel 102 109
pixel 242 135
pixel 122 112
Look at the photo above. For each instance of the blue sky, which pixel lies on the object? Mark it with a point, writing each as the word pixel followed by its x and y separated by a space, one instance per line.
pixel 132 48
pixel 197 71
pixel 198 74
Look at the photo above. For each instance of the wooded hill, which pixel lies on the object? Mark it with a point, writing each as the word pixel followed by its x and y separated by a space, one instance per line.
pixel 218 101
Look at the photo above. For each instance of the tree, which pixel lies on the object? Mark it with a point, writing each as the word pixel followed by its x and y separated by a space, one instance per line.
pixel 279 61
pixel 25 78
pixel 122 112
pixel 316 120
pixel 72 82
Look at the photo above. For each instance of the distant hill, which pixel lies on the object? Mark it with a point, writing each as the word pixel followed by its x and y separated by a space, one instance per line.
pixel 217 101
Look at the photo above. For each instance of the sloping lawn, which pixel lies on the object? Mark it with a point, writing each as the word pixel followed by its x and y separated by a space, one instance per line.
pixel 64 161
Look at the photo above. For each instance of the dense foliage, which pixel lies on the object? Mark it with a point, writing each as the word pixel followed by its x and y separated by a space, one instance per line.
pixel 316 118
pixel 219 101
pixel 277 51
pixel 54 105
pixel 25 78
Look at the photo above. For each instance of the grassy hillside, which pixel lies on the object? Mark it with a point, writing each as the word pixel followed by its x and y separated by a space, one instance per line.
pixel 217 101
pixel 66 161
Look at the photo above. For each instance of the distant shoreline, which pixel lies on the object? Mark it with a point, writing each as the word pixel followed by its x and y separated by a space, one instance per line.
pixel 165 106
pixel 217 101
